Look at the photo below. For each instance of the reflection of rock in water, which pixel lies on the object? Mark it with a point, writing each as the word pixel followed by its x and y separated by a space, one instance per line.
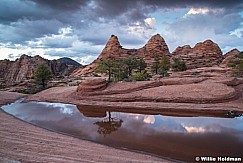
pixel 108 125
pixel 232 114
pixel 91 112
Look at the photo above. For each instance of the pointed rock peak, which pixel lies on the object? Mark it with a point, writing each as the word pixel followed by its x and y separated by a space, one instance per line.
pixel 24 56
pixel 186 46
pixel 207 42
pixel 113 38
pixel 156 38
pixel 232 52
pixel 113 41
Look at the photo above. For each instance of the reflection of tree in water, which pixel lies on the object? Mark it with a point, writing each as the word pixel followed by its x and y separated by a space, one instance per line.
pixel 108 125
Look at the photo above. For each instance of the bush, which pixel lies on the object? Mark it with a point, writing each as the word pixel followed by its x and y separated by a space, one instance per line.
pixel 179 65
pixel 240 55
pixel 140 76
pixel 29 91
pixel 96 75
pixel 195 73
pixel 232 64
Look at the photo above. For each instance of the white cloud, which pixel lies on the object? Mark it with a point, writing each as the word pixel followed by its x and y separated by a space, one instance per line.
pixel 139 30
pixel 151 22
pixel 194 11
pixel 87 59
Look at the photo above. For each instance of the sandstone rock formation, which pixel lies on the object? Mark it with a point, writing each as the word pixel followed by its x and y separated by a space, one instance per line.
pixel 156 46
pixel 205 54
pixel 24 67
pixel 230 56
pixel 91 85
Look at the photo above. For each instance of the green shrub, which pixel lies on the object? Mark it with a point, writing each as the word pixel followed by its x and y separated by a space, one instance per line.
pixel 232 64
pixel 240 55
pixel 195 73
pixel 179 65
pixel 140 76
pixel 29 91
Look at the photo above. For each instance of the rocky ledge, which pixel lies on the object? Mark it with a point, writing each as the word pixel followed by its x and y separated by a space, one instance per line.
pixel 196 96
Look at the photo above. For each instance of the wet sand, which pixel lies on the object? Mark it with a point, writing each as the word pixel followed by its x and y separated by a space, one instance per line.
pixel 23 142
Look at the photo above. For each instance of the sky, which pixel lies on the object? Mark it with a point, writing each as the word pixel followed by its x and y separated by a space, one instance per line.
pixel 79 29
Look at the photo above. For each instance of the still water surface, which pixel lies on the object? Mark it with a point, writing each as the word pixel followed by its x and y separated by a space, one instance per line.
pixel 180 138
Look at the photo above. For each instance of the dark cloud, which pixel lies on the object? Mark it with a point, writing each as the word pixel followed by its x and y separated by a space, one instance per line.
pixel 93 21
pixel 62 4
pixel 193 3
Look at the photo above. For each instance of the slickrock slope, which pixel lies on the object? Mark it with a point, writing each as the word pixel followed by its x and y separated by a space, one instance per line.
pixel 23 142
pixel 23 68
pixel 204 95
pixel 190 90
pixel 8 97
pixel 89 86
pixel 205 54
pixel 156 46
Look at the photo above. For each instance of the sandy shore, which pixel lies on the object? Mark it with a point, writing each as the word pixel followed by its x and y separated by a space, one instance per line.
pixel 23 142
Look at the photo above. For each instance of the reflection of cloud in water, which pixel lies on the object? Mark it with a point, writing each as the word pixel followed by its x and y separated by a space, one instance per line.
pixel 63 108
pixel 195 129
pixel 149 119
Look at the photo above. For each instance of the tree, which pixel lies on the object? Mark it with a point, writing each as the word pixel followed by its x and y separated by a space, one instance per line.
pixel 179 65
pixel 141 64
pixel 156 65
pixel 42 74
pixel 164 66
pixel 106 66
pixel 120 72
pixel 108 125
pixel 131 63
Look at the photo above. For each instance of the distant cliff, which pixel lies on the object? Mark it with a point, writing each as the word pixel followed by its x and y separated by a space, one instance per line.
pixel 23 68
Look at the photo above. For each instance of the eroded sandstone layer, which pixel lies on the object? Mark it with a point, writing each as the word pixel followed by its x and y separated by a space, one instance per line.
pixel 232 55
pixel 155 47
pixel 203 54
pixel 192 95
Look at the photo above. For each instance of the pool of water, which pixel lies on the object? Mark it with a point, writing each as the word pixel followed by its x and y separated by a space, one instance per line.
pixel 180 138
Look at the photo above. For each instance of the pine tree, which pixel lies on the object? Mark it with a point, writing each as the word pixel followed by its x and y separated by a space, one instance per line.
pixel 42 74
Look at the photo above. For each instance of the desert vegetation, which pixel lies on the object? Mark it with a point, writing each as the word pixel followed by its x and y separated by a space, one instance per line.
pixel 134 69
pixel 237 64
pixel 128 69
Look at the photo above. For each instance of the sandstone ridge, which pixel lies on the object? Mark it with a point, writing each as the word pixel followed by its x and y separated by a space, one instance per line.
pixel 203 54
pixel 156 46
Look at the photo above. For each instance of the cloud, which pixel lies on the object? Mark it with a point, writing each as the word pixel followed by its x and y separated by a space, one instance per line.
pixel 193 28
pixel 198 11
pixel 80 28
